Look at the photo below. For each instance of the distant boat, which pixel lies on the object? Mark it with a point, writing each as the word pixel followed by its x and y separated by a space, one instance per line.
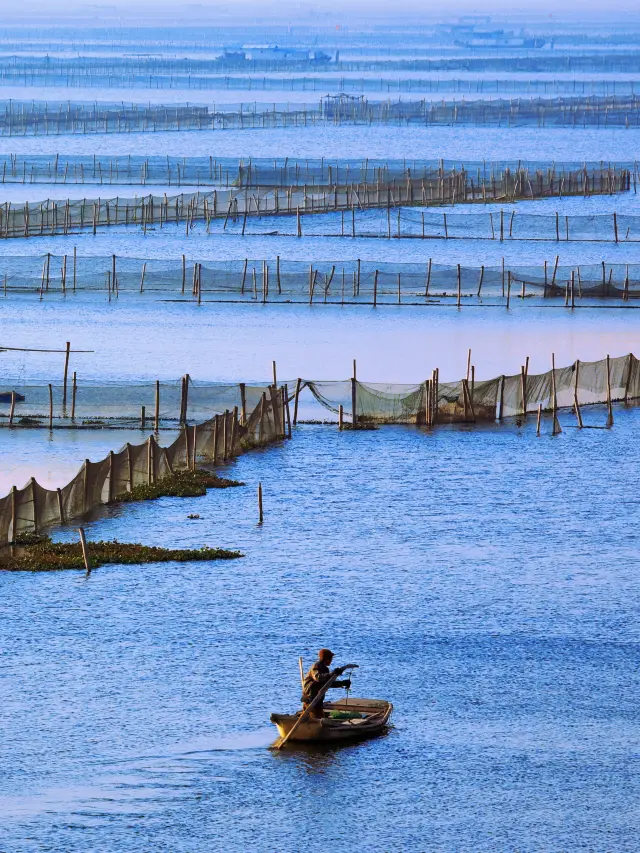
pixel 500 38
pixel 349 720
pixel 273 55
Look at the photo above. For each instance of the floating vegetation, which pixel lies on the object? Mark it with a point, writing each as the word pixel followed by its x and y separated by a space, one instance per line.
pixel 359 426
pixel 43 555
pixel 180 484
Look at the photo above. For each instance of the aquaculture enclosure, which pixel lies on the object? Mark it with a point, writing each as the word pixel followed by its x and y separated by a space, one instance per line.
pixel 21 118
pixel 354 282
pixel 35 219
pixel 33 508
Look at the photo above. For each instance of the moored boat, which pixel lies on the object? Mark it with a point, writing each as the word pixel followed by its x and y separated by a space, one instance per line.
pixel 345 720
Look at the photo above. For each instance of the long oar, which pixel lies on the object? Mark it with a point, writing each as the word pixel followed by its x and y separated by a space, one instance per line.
pixel 303 716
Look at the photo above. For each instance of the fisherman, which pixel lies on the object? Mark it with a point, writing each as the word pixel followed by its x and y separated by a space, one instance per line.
pixel 315 680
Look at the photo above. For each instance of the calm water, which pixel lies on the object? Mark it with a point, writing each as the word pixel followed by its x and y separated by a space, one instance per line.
pixel 486 580
pixel 482 582
pixel 375 142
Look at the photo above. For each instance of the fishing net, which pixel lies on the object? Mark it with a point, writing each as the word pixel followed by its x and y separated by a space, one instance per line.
pixel 49 118
pixel 584 383
pixel 34 508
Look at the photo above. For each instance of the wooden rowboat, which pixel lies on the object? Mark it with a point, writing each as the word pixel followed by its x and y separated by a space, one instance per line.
pixel 372 720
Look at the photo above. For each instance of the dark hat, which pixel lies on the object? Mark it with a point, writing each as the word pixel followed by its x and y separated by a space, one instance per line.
pixel 325 653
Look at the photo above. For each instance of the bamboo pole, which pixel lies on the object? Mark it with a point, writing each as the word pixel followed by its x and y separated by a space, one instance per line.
pixel 66 373
pixel 85 552
pixel 576 403
pixel 215 440
pixel 157 411
pixel 554 398
pixel 111 491
pixel 354 396
pixel 501 402
pixel 609 403
pixel 194 450
pixel 243 404
pixel 539 419
pixel 286 409
pixel 74 390
pixel 50 406
pixel 260 505
pixel 295 401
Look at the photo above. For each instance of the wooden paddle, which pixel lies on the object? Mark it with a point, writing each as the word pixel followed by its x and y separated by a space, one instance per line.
pixel 303 716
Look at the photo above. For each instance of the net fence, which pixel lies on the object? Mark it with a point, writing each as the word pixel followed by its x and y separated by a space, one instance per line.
pixel 317 282
pixel 52 118
pixel 102 169
pixel 432 402
pixel 251 81
pixel 59 216
pixel 145 70
pixel 148 404
pixel 34 508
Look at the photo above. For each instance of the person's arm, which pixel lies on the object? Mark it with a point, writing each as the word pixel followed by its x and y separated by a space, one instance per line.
pixel 339 671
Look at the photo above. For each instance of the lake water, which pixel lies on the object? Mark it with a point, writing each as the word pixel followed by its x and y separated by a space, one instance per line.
pixel 485 579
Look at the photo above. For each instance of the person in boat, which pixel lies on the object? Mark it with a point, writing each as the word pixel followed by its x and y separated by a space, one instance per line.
pixel 315 680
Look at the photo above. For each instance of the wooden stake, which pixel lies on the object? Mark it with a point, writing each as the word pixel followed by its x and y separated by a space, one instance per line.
pixel 74 389
pixel 609 403
pixel 66 373
pixel 13 408
pixel 340 417
pixel 85 553
pixel 260 506
pixel 111 491
pixel 539 418
pixel 295 401
pixel 243 404
pixel 285 395
pixel 354 396
pixel 50 406
pixel 554 402
pixel 157 414
pixel 576 403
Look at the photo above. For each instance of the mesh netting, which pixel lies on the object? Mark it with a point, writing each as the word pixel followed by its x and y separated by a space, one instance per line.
pixel 117 77
pixel 341 282
pixel 432 401
pixel 285 171
pixel 33 508
pixel 34 118
pixel 57 216
pixel 189 72
pixel 168 403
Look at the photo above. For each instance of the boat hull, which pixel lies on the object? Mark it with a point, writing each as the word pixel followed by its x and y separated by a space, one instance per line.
pixel 375 721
